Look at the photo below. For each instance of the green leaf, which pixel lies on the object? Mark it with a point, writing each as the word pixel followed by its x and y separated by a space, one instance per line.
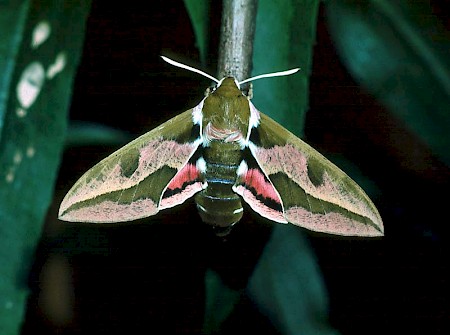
pixel 284 39
pixel 198 12
pixel 399 52
pixel 287 285
pixel 12 23
pixel 40 60
pixel 220 301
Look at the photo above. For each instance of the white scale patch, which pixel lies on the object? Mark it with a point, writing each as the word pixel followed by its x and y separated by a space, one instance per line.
pixel 242 169
pixel 197 118
pixel 243 143
pixel 254 117
pixel 253 122
pixel 197 115
pixel 201 165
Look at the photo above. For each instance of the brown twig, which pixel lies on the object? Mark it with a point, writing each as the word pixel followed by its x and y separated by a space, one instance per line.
pixel 236 38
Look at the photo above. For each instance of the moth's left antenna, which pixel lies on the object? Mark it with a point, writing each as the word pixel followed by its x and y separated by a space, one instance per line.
pixel 273 74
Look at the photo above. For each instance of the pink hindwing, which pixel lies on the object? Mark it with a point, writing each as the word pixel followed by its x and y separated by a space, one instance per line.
pixel 254 187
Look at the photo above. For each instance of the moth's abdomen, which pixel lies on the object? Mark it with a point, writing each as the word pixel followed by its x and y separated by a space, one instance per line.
pixel 218 204
pixel 219 211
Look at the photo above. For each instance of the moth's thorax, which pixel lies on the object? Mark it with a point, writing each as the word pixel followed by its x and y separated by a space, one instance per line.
pixel 226 113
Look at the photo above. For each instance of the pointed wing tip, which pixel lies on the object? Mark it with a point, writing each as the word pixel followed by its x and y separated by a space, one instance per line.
pixel 375 233
pixel 375 230
pixel 380 233
pixel 378 228
pixel 64 212
pixel 62 218
pixel 63 215
pixel 365 233
pixel 370 231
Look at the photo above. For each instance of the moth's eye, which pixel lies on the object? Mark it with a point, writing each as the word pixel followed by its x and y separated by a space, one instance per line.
pixel 244 92
pixel 247 91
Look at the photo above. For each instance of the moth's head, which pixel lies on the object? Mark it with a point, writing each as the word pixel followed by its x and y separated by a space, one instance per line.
pixel 227 87
pixel 229 82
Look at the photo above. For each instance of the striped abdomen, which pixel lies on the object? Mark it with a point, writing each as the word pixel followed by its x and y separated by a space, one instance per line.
pixel 218 204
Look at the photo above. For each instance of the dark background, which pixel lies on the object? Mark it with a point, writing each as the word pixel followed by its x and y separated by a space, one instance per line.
pixel 139 278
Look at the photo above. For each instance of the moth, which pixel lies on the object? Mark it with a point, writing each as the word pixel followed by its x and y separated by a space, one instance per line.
pixel 223 151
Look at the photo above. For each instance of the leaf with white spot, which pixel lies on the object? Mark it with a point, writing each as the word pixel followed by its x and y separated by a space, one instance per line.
pixel 33 116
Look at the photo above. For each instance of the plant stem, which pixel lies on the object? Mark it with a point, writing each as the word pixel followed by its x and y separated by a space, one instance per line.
pixel 236 38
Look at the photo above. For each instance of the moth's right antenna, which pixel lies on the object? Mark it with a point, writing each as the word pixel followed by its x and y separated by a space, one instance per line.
pixel 187 67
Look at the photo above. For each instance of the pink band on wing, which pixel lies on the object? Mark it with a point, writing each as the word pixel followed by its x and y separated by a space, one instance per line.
pixel 111 211
pixel 186 175
pixel 256 180
pixel 332 223
pixel 259 206
pixel 179 198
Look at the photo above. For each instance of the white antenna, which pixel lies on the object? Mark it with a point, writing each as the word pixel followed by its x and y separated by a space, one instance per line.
pixel 274 74
pixel 193 69
pixel 267 75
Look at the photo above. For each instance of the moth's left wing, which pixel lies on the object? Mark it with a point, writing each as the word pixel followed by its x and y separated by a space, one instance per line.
pixel 312 192
pixel 153 172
